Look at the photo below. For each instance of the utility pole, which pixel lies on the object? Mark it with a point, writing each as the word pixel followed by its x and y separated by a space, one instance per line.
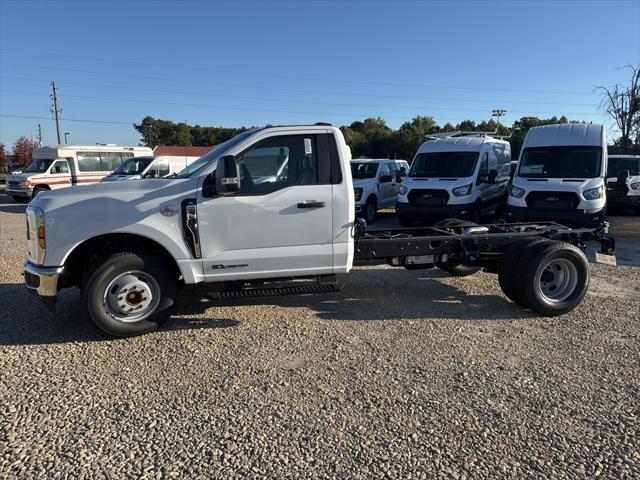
pixel 39 135
pixel 498 113
pixel 55 110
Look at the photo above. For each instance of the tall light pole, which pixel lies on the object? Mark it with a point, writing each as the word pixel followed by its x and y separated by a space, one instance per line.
pixel 498 113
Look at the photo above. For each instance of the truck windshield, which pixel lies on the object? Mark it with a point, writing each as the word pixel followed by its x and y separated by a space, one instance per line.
pixel 364 170
pixel 213 154
pixel 617 165
pixel 561 162
pixel 39 166
pixel 444 164
pixel 133 166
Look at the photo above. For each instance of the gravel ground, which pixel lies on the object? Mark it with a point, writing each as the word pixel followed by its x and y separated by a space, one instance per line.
pixel 401 375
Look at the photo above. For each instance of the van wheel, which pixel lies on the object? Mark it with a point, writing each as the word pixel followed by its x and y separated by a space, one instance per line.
pixel 37 191
pixel 555 278
pixel 460 270
pixel 370 210
pixel 507 272
pixel 129 294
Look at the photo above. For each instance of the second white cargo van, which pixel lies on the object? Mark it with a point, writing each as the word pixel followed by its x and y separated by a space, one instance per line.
pixel 560 176
pixel 460 177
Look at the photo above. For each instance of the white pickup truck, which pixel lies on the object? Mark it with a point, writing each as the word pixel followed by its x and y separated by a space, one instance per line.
pixel 240 222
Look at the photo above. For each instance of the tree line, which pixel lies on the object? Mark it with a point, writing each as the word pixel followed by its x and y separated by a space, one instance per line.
pixel 371 137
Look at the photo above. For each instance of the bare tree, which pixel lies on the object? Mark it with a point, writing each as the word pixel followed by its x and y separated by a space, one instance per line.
pixel 622 104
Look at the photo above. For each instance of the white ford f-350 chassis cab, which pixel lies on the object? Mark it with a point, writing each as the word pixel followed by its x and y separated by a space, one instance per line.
pixel 269 212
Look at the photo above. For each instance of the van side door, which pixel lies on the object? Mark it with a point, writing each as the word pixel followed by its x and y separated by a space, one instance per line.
pixel 280 221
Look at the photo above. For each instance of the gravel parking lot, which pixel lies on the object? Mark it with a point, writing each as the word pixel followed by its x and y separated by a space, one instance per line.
pixel 403 374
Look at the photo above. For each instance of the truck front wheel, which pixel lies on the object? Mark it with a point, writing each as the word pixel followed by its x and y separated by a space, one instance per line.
pixel 129 294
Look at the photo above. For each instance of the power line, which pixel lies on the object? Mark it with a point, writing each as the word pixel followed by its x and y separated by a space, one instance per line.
pixel 315 92
pixel 295 77
pixel 204 105
pixel 37 117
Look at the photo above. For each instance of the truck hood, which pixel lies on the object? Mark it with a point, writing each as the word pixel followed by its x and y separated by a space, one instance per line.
pixel 122 193
pixel 365 182
pixel 437 183
pixel 117 178
pixel 19 177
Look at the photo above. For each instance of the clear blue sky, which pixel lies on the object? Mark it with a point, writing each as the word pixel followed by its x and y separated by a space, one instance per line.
pixel 252 63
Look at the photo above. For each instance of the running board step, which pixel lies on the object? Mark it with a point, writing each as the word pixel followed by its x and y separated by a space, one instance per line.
pixel 275 291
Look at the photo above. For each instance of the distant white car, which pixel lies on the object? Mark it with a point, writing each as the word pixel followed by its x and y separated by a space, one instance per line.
pixel 623 182
pixel 375 185
pixel 149 167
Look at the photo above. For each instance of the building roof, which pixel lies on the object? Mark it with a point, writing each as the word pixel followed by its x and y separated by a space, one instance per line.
pixel 180 151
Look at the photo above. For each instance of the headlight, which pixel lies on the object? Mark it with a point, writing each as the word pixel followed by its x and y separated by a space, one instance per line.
pixel 635 186
pixel 404 189
pixel 593 193
pixel 357 193
pixel 25 183
pixel 516 191
pixel 40 233
pixel 462 191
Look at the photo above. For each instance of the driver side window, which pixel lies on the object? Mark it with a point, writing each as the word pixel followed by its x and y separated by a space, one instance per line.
pixel 278 162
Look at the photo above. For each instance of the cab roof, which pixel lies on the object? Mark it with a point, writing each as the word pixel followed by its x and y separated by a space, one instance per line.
pixel 566 134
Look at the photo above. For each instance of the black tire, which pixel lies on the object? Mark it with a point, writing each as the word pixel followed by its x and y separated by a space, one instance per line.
pixel 524 258
pixel 370 210
pixel 507 272
pixel 94 293
pixel 459 270
pixel 566 269
pixel 37 191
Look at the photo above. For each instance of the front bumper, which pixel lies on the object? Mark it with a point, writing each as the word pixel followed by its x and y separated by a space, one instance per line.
pixel 573 218
pixel 420 212
pixel 43 281
pixel 19 191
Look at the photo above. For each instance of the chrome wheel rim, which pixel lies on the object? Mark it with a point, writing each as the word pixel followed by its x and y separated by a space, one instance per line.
pixel 558 280
pixel 132 296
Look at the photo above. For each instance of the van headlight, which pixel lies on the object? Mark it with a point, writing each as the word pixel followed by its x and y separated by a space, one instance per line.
pixel 462 191
pixel 516 191
pixel 404 189
pixel 635 186
pixel 593 193
pixel 25 183
pixel 357 192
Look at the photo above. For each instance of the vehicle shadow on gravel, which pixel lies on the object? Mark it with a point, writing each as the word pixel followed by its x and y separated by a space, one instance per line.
pixel 25 321
pixel 387 294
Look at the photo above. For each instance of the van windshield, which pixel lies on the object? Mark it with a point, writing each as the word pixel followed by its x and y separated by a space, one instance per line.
pixel 133 166
pixel 617 165
pixel 444 164
pixel 561 162
pixel 213 154
pixel 39 166
pixel 363 170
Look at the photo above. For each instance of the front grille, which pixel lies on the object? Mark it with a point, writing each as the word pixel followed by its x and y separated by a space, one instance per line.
pixel 13 183
pixel 428 197
pixel 553 200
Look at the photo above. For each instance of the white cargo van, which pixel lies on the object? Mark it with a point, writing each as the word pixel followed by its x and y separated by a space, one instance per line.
pixel 560 175
pixel 61 166
pixel 623 182
pixel 457 176
pixel 149 167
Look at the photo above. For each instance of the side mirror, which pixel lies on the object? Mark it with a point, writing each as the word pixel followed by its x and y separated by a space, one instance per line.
pixel 399 175
pixel 150 174
pixel 227 176
pixel 493 175
pixel 622 177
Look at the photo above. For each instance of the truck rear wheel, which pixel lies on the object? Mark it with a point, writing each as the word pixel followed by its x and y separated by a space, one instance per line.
pixel 508 274
pixel 555 278
pixel 459 270
pixel 129 294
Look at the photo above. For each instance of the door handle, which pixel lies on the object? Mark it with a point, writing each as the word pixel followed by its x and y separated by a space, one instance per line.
pixel 311 204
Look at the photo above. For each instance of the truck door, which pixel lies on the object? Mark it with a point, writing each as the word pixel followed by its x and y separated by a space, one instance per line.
pixel 280 222
pixel 385 186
